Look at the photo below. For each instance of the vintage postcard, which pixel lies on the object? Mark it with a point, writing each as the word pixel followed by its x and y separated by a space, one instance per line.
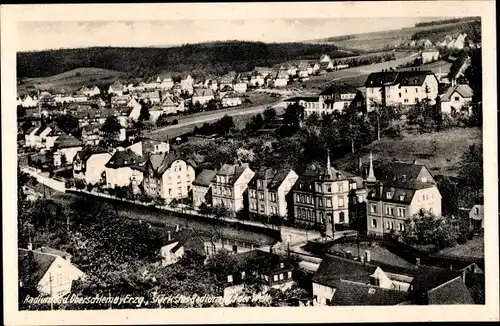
pixel 249 162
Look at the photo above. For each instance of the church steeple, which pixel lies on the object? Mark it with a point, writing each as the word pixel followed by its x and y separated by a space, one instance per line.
pixel 329 171
pixel 371 173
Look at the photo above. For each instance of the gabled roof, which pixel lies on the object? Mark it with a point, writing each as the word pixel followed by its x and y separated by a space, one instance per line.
pixel 232 170
pixel 336 90
pixel 204 178
pixel 333 269
pixel 123 158
pixel 399 195
pixel 263 261
pixel 464 90
pixel 203 92
pixel 278 179
pixel 67 141
pixel 324 64
pixel 357 294
pixel 452 292
pixel 427 278
pixel 33 265
pixel 88 151
pixel 187 238
pixel 412 78
pixel 401 174
pixel 378 79
pixel 263 173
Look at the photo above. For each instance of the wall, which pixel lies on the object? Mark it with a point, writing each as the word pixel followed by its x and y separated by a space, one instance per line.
pixel 179 175
pixel 62 275
pixel 322 293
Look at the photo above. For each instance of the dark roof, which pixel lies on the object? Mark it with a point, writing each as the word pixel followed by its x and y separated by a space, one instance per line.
pixel 308 178
pixel 357 294
pixel 33 265
pixel 88 151
pixel 336 90
pixel 232 170
pixel 412 78
pixel 204 178
pixel 324 64
pixel 123 158
pixel 378 79
pixel 399 195
pixel 187 238
pixel 464 90
pixel 67 141
pixel 303 98
pixel 405 175
pixel 427 278
pixel 263 173
pixel 333 269
pixel 263 261
pixel 278 179
pixel 452 292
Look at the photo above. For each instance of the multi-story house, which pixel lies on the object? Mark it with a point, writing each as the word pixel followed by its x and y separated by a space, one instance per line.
pixel 203 95
pixel 231 99
pixel 257 80
pixel 202 187
pixel 321 198
pixel 121 169
pixel 268 192
pixel 429 56
pixel 66 147
pixel 116 88
pixel 239 86
pixel 187 84
pixel 404 88
pixel 456 98
pixel 167 176
pixel 338 97
pixel 229 185
pixel 47 271
pixel 145 146
pixel 89 164
pixel 400 191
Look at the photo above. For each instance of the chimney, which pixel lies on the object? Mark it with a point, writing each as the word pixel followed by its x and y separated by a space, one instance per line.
pixel 169 235
pixel 367 256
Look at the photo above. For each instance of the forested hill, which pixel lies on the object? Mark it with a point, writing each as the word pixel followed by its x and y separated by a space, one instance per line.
pixel 215 57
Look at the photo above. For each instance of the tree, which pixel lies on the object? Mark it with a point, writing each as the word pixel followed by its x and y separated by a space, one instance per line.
pixel 427 229
pixel 144 115
pixel 69 124
pixel 204 209
pixel 225 125
pixel 111 127
pixel 470 175
pixel 270 115
pixel 450 195
pixel 162 120
pixel 222 264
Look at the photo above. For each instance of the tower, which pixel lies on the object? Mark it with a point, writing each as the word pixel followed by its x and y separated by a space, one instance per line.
pixel 371 174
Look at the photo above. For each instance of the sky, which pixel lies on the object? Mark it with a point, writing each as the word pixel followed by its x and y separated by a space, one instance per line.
pixel 43 35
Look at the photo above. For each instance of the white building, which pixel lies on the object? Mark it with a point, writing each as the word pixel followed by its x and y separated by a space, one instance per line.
pixel 405 88
pixel 456 98
pixel 229 185
pixel 429 56
pixel 89 164
pixel 122 169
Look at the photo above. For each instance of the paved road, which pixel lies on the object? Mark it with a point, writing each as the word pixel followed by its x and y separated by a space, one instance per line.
pixel 186 123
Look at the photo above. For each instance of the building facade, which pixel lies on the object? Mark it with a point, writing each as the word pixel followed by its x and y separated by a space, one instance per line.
pixel 229 186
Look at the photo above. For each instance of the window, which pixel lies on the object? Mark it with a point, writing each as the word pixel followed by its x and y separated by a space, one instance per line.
pixel 477 210
pixel 275 277
pixel 261 195
pixel 389 210
pixel 253 206
pixel 230 278
pixel 308 214
pixel 374 223
pixel 261 208
pixel 282 265
pixel 457 98
pixel 281 276
pixel 341 201
pixel 328 188
pixel 302 199
pixel 341 217
pixel 373 208
pixel 401 212
pixel 416 90
pixel 260 183
pixel 298 198
pixel 341 187
pixel 328 203
pixel 289 274
pixel 401 227
pixel 242 275
pixel 400 95
pixel 321 217
pixel 273 197
pixel 406 91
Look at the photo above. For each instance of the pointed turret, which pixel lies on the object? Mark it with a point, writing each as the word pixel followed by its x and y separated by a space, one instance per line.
pixel 371 173
pixel 329 171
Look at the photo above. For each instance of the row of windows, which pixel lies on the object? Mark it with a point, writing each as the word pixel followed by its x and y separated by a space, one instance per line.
pixel 222 202
pixel 272 196
pixel 389 210
pixel 307 199
pixel 276 277
pixel 389 225
pixel 309 214
pixel 325 188
pixel 223 191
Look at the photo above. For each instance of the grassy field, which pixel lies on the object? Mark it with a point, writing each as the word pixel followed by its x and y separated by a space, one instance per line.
pixel 439 151
pixel 71 80
pixel 473 249
pixel 377 41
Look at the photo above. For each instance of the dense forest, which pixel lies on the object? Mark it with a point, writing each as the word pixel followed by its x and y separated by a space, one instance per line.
pixel 445 21
pixel 203 58
pixel 472 29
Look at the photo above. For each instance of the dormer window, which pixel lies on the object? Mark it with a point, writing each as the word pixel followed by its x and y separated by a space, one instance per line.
pixel 282 265
pixel 424 179
pixel 402 196
pixel 389 194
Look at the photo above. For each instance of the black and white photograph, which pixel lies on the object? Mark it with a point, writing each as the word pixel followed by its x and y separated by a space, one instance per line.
pixel 186 157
